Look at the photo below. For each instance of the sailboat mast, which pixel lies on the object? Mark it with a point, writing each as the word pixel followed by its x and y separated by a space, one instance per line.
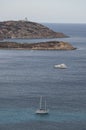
pixel 41 102
pixel 45 105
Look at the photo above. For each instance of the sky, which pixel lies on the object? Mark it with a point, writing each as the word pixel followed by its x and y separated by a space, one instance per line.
pixel 44 11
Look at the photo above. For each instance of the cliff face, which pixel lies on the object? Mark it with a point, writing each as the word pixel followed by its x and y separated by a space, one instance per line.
pixel 25 29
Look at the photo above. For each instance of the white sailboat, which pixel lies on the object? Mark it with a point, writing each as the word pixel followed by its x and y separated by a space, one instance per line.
pixel 42 111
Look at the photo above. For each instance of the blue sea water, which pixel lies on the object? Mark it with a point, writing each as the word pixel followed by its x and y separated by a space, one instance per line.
pixel 26 75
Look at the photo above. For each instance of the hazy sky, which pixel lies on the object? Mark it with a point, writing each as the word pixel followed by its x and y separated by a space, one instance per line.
pixel 56 11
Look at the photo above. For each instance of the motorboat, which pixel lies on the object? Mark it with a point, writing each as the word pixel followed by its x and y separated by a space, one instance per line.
pixel 60 66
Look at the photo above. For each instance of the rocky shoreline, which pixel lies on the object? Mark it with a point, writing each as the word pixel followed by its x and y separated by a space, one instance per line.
pixel 50 45
pixel 27 29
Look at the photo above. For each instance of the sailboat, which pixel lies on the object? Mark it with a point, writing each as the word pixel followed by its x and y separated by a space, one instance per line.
pixel 42 111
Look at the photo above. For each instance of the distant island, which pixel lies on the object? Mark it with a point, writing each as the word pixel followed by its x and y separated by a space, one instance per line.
pixel 26 29
pixel 50 45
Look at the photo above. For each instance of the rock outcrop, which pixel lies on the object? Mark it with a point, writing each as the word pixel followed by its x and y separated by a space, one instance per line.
pixel 51 45
pixel 26 29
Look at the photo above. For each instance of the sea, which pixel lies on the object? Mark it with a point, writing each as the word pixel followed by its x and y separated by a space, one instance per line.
pixel 25 75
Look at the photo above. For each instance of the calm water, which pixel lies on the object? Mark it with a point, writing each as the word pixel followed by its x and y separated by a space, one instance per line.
pixel 25 75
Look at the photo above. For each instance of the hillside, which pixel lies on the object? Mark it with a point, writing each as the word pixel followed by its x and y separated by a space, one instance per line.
pixel 26 29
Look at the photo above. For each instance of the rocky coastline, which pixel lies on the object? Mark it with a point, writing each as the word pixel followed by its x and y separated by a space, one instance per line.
pixel 50 45
pixel 26 29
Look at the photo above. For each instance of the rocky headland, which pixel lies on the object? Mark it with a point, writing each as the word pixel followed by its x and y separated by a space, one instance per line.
pixel 50 45
pixel 26 29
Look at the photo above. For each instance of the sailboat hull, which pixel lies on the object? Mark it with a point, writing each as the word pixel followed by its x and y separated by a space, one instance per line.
pixel 42 112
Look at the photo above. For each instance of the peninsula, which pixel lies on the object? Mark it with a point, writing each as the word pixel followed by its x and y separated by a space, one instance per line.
pixel 26 29
pixel 50 45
